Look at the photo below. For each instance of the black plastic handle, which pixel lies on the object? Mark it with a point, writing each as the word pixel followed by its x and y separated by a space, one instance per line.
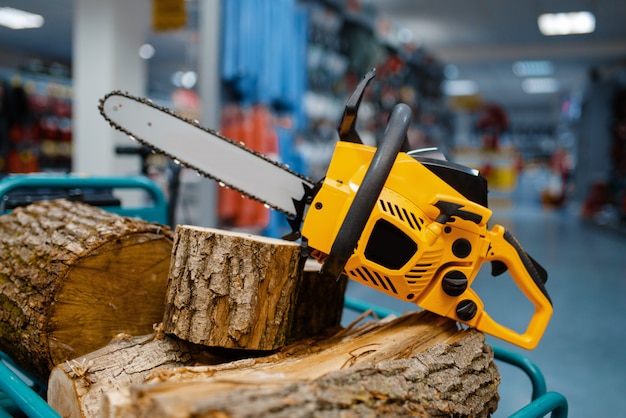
pixel 538 274
pixel 347 126
pixel 369 190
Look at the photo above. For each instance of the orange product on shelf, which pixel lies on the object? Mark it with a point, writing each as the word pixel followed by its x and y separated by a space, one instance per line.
pixel 255 128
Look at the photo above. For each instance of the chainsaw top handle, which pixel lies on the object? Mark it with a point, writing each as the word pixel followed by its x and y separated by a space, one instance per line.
pixel 369 190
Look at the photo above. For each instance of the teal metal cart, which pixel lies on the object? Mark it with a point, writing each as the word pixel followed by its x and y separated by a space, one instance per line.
pixel 32 187
pixel 20 393
pixel 23 395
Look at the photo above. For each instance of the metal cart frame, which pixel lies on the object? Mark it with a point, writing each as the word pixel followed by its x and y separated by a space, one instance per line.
pixel 154 212
pixel 20 393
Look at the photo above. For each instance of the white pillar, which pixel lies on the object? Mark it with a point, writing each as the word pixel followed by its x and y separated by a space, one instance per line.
pixel 106 38
pixel 209 61
pixel 209 90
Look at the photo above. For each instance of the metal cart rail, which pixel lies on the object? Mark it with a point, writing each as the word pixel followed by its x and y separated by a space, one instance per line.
pixel 20 393
pixel 73 186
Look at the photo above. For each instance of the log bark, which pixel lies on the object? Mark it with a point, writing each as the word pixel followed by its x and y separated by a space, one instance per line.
pixel 76 387
pixel 319 303
pixel 72 276
pixel 417 365
pixel 243 291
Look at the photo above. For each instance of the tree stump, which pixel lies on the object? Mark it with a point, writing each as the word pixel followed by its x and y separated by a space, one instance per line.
pixel 417 365
pixel 72 276
pixel 243 291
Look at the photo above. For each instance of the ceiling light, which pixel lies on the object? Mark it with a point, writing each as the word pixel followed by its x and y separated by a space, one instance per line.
pixel 533 68
pixel 566 23
pixel 451 71
pixel 19 19
pixel 146 51
pixel 540 85
pixel 405 36
pixel 185 79
pixel 460 87
pixel 189 79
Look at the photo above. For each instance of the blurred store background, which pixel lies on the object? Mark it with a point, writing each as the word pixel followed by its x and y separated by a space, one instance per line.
pixel 485 84
pixel 532 93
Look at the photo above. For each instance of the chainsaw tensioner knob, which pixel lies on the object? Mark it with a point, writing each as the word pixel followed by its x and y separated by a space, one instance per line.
pixel 454 283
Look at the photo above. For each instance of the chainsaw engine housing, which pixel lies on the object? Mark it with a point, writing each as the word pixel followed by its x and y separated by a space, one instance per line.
pixel 403 249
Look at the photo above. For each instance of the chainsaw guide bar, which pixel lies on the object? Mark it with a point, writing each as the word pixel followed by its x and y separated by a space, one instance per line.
pixel 196 146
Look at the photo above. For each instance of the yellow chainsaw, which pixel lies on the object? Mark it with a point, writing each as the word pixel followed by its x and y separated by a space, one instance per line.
pixel 407 223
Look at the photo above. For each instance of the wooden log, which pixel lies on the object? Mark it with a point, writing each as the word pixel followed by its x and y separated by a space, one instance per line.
pixel 72 276
pixel 417 365
pixel 76 387
pixel 319 304
pixel 236 290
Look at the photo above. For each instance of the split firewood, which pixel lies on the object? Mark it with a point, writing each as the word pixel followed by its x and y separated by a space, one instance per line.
pixel 73 276
pixel 235 290
pixel 417 365
pixel 76 387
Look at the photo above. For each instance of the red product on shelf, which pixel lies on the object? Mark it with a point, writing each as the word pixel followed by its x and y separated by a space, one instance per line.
pixel 254 127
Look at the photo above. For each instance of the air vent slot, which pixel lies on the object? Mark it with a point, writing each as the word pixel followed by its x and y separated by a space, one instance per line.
pixel 401 213
pixel 364 275
pixel 422 272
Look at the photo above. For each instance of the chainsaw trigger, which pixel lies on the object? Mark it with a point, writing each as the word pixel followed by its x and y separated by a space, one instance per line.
pixel 498 267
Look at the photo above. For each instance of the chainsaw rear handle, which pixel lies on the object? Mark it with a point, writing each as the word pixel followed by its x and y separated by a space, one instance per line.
pixel 369 190
pixel 530 277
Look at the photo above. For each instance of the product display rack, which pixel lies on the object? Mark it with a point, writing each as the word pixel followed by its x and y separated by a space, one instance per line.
pixel 346 40
pixel 35 121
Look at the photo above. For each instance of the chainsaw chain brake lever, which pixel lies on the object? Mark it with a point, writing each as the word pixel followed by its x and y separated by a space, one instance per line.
pixel 369 190
pixel 347 126
pixel 347 132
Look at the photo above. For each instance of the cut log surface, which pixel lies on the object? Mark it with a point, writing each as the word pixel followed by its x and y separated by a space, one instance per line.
pixel 72 276
pixel 76 387
pixel 417 365
pixel 232 290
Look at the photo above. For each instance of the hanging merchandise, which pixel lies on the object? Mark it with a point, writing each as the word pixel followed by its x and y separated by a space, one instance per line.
pixel 263 53
pixel 255 128
pixel 360 43
pixel 295 80
pixel 168 15
pixel 291 156
pixel 326 64
pixel 19 155
pixel 264 70
pixel 347 38
pixel 605 203
pixel 35 123
pixel 618 156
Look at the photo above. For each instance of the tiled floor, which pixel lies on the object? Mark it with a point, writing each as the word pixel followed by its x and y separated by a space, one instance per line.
pixel 583 352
